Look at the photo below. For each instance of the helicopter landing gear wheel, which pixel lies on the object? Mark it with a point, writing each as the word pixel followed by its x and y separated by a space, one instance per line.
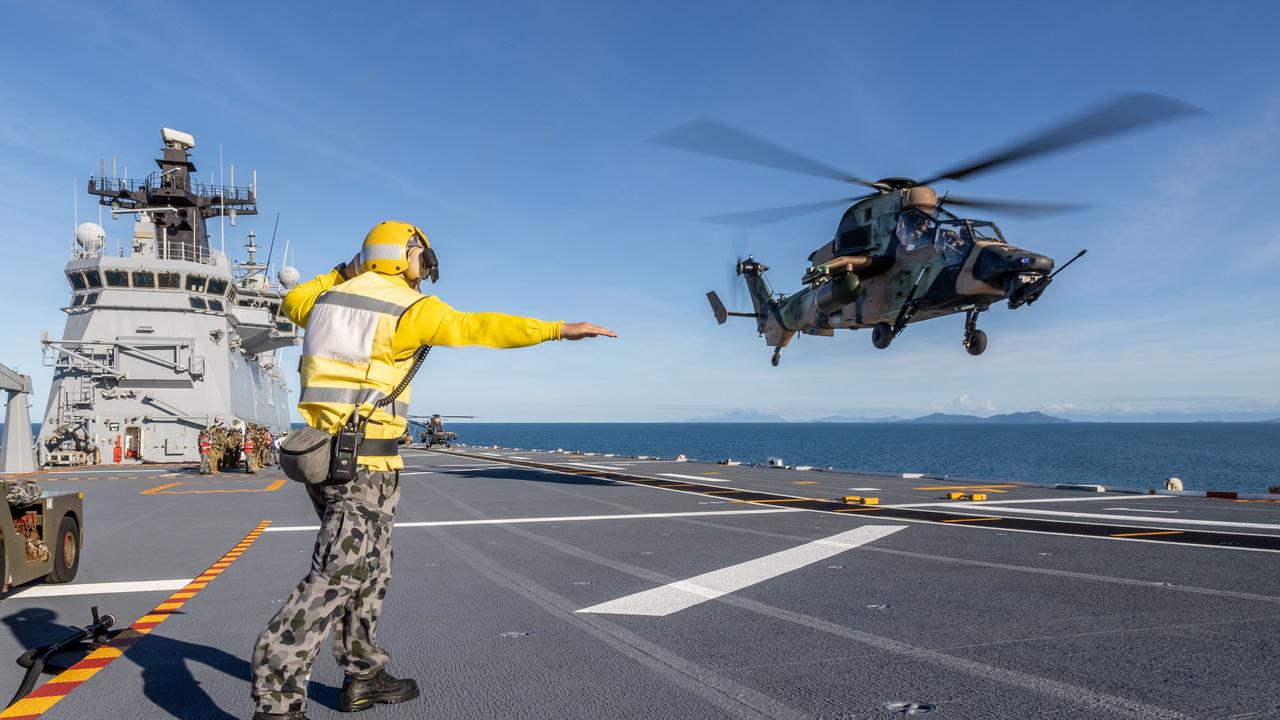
pixel 976 343
pixel 975 340
pixel 777 358
pixel 881 335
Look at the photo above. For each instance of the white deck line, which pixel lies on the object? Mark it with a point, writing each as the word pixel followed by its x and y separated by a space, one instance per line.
pixel 1164 520
pixel 566 518
pixel 589 465
pixel 416 472
pixel 965 504
pixel 683 594
pixel 103 588
pixel 699 478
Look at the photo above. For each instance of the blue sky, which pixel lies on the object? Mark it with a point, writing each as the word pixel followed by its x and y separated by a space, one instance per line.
pixel 516 135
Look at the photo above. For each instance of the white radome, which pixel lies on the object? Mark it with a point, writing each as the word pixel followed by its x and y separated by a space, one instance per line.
pixel 90 236
pixel 289 276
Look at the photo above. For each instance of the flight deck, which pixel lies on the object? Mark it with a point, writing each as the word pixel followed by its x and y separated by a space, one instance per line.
pixel 559 585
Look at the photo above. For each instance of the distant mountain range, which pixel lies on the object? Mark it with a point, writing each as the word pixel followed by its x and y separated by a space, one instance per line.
pixel 752 416
pixel 1017 417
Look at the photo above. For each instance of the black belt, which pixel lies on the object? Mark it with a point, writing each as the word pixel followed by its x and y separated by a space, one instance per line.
pixel 379 448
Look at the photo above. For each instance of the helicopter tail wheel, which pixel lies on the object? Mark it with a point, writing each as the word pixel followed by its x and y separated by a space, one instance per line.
pixel 881 335
pixel 976 342
pixel 777 357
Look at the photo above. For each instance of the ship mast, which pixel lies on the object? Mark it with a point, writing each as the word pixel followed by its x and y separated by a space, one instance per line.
pixel 176 202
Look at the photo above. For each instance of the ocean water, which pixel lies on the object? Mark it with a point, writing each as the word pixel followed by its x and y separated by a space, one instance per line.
pixel 1207 456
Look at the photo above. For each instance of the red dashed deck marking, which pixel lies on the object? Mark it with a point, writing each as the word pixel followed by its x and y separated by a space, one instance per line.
pixel 46 696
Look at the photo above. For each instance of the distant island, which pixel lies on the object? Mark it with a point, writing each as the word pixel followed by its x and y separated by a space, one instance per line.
pixel 742 416
pixel 859 419
pixel 753 416
pixel 1017 417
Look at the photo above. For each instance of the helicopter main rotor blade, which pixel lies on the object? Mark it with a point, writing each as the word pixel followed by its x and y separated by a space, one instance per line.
pixel 1019 208
pixel 1123 114
pixel 709 137
pixel 754 218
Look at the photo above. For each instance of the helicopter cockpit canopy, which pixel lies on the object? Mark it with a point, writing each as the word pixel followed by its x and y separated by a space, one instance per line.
pixel 956 235
pixel 916 229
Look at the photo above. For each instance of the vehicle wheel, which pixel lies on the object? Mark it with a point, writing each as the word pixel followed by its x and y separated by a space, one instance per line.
pixel 65 551
pixel 775 359
pixel 976 343
pixel 881 335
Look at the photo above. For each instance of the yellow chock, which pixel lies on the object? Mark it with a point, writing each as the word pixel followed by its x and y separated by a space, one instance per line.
pixel 852 499
pixel 870 501
pixel 978 497
pixel 955 495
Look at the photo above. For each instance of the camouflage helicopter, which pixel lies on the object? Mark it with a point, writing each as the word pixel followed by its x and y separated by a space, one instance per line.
pixel 898 255
pixel 433 432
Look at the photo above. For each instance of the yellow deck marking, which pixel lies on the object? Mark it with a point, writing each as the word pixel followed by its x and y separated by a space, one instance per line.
pixel 1154 532
pixel 980 519
pixel 30 706
pixel 105 651
pixel 68 680
pixel 161 488
pixel 804 482
pixel 77 675
pixel 965 487
pixel 713 472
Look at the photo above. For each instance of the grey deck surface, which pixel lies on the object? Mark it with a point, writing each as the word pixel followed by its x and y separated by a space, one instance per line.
pixel 979 620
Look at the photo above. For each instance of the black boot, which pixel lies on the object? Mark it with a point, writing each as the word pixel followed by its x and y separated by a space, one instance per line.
pixel 291 715
pixel 360 694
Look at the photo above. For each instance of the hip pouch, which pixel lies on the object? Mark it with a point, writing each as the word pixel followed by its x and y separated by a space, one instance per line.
pixel 305 455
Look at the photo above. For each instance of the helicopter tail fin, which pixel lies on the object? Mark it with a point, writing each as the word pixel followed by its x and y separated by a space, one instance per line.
pixel 717 307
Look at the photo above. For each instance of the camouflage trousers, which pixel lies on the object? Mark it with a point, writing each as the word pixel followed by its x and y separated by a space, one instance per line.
pixel 350 571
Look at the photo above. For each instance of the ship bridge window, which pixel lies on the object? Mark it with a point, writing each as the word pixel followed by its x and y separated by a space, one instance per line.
pixel 93 278
pixel 169 280
pixel 144 279
pixel 77 280
pixel 117 278
pixel 91 299
pixel 77 300
pixel 198 303
pixel 215 305
pixel 216 286
pixel 195 283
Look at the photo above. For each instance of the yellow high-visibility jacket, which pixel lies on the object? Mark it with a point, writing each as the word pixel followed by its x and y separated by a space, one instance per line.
pixel 360 341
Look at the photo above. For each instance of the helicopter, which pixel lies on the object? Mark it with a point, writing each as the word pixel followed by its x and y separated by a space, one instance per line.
pixel 899 255
pixel 434 433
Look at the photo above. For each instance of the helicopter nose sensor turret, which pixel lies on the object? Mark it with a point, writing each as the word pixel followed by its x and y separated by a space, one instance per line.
pixel 998 264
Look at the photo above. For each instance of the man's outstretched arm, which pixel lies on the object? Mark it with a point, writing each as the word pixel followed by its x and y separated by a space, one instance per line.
pixel 432 321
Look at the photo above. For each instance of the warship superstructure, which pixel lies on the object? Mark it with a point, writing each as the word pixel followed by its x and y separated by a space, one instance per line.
pixel 170 337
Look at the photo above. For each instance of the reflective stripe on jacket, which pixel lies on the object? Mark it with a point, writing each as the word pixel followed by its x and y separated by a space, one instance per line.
pixel 348 359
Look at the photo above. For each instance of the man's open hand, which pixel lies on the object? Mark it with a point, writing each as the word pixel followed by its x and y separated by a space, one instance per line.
pixel 578 331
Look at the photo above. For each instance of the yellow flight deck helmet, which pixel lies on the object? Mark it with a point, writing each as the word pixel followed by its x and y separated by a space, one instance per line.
pixel 392 248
